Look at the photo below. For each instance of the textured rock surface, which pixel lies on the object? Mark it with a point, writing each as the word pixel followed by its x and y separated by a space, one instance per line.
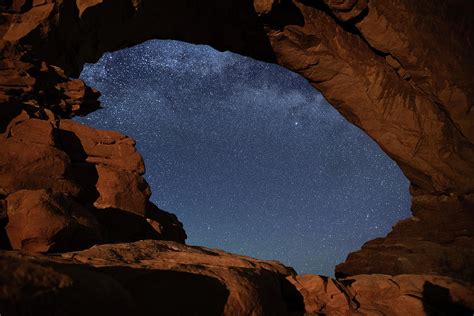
pixel 367 86
pixel 67 186
pixel 108 161
pixel 158 277
pixel 383 65
pixel 31 160
pixel 437 239
pixel 37 87
pixel 142 278
pixel 401 70
pixel 379 294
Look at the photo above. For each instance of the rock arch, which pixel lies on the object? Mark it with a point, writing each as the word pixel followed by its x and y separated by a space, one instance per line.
pixel 400 70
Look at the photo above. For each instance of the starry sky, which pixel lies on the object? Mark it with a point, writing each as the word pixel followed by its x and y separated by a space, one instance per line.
pixel 248 155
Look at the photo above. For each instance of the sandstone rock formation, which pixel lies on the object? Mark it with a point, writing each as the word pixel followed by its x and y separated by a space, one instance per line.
pixel 168 278
pixel 108 162
pixel 382 65
pixel 401 70
pixel 40 221
pixel 142 278
pixel 437 239
pixel 379 294
pixel 66 186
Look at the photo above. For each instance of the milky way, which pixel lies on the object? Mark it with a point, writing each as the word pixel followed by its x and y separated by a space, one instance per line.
pixel 248 155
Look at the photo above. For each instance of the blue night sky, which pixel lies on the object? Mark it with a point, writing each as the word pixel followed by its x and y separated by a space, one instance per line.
pixel 248 155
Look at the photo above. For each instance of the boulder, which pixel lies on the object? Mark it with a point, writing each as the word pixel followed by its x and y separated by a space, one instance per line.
pixel 33 285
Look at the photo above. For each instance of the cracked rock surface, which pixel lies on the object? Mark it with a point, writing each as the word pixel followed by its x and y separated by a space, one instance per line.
pixel 163 277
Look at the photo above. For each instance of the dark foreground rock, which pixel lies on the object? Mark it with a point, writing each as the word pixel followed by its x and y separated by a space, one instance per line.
pixel 167 278
pixel 401 70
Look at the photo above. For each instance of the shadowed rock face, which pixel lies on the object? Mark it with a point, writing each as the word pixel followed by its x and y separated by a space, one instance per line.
pixel 401 70
pixel 168 278
pixel 67 186
pixel 380 294
pixel 59 223
pixel 142 278
pixel 385 66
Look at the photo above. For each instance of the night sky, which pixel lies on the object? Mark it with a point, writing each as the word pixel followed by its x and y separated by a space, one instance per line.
pixel 248 155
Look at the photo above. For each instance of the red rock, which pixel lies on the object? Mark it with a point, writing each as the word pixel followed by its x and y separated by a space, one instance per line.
pixel 174 279
pixel 38 88
pixel 146 277
pixel 105 172
pixel 31 285
pixel 380 294
pixel 108 162
pixel 430 242
pixel 30 165
pixel 109 148
pixel 82 5
pixel 28 22
pixel 34 131
pixel 122 190
pixel 108 166
pixel 54 222
pixel 400 70
pixel 166 224
pixel 322 295
pixel 346 10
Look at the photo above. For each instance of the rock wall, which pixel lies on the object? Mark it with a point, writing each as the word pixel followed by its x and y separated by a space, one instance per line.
pixel 401 70
pixel 437 239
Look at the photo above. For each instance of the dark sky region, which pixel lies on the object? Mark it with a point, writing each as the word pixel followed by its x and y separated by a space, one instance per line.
pixel 249 156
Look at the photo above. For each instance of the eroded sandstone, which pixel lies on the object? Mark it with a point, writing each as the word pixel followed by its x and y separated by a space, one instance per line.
pixel 400 70
pixel 141 278
pixel 437 239
pixel 379 294
pixel 40 221
pixel 67 186
pixel 169 278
